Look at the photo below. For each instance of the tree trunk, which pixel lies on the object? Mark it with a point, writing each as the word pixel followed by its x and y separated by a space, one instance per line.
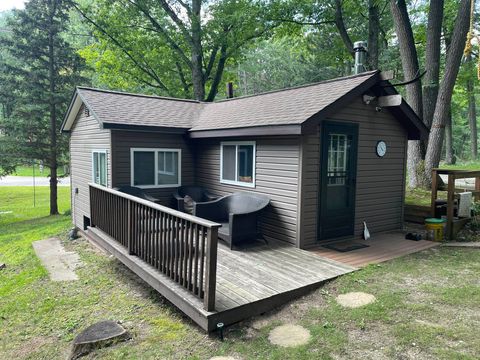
pixel 218 73
pixel 53 117
pixel 472 109
pixel 408 54
pixel 373 33
pixel 449 156
pixel 452 65
pixel 432 63
pixel 342 30
pixel 197 52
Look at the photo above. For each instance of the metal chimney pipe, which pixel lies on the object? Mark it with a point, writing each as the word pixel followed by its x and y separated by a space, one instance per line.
pixel 229 90
pixel 360 48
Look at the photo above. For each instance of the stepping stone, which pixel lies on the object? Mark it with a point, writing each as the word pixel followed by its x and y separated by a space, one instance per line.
pixel 2 266
pixel 355 299
pixel 59 263
pixel 101 334
pixel 289 335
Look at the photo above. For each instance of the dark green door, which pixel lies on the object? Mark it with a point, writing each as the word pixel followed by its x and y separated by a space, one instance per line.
pixel 338 171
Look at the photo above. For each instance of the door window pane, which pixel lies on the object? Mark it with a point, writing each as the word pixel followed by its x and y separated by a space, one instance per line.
pixel 228 171
pixel 144 168
pixel 337 159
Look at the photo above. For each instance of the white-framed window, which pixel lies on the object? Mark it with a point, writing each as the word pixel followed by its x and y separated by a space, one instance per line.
pixel 237 163
pixel 154 168
pixel 99 167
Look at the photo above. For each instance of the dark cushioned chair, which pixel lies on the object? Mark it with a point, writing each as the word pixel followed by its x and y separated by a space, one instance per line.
pixel 194 193
pixel 135 191
pixel 237 213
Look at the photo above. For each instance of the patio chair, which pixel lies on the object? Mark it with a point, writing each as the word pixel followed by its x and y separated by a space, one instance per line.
pixel 238 214
pixel 186 196
pixel 137 192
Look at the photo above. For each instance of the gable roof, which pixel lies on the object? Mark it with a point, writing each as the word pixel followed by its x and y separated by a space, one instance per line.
pixel 278 112
pixel 116 109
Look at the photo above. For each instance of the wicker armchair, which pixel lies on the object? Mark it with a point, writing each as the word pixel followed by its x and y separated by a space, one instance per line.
pixel 238 214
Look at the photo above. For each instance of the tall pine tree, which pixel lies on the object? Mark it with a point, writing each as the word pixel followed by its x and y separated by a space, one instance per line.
pixel 38 70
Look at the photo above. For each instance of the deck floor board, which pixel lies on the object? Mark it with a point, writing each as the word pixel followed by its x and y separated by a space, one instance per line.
pixel 382 247
pixel 250 280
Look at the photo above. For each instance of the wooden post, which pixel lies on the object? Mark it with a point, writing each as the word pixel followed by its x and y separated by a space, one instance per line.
pixel 93 206
pixel 450 205
pixel 129 228
pixel 434 192
pixel 211 269
pixel 477 188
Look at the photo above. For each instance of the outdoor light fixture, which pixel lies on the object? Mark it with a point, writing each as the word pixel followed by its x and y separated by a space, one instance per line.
pixel 220 330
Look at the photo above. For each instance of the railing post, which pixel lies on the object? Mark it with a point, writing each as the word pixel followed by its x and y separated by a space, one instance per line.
pixel 477 188
pixel 434 192
pixel 129 228
pixel 211 269
pixel 450 205
pixel 92 206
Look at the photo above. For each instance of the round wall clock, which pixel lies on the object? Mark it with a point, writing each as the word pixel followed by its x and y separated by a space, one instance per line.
pixel 381 148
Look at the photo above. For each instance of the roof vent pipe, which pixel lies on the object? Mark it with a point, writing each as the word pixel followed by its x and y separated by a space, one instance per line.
pixel 360 49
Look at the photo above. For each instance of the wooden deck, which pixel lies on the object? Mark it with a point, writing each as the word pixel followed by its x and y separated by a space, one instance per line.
pixel 250 281
pixel 382 247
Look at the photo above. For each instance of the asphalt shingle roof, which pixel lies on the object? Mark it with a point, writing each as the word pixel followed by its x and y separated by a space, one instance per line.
pixel 283 107
pixel 132 109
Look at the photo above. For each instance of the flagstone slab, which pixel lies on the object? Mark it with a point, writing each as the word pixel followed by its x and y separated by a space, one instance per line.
pixel 355 299
pixel 60 264
pixel 289 335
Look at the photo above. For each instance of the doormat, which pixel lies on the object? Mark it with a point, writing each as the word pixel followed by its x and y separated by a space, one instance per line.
pixel 345 246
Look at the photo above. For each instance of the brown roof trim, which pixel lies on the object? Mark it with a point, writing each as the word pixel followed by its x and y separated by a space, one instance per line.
pixel 416 128
pixel 132 127
pixel 248 131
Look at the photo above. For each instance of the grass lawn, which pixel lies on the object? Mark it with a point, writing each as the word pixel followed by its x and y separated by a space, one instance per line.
pixel 428 305
pixel 28 171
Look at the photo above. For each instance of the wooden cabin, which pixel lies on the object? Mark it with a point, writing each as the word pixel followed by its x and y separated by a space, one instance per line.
pixel 330 156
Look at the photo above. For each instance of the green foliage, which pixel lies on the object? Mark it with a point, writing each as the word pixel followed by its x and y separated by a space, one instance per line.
pixel 38 70
pixel 141 47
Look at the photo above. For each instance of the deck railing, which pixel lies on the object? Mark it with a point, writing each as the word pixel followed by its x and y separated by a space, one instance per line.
pixel 181 246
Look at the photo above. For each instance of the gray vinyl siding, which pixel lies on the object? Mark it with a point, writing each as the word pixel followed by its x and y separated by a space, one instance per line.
pixel 86 136
pixel 380 181
pixel 276 175
pixel 123 141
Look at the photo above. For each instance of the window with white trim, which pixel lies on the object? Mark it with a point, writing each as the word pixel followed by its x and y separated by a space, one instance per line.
pixel 238 163
pixel 152 168
pixel 99 167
